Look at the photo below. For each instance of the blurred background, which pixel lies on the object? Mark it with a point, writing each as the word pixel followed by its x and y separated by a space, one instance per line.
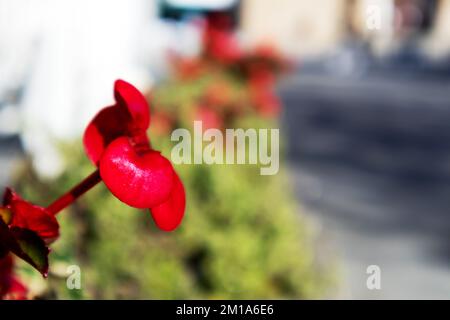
pixel 358 88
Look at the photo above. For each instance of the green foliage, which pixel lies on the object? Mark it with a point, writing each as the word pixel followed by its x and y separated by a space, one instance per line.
pixel 242 237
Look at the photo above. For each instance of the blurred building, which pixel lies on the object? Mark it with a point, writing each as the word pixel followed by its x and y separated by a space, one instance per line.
pixel 58 62
pixel 303 27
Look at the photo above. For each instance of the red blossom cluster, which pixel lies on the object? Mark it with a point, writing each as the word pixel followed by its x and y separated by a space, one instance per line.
pixel 10 287
pixel 116 142
pixel 256 69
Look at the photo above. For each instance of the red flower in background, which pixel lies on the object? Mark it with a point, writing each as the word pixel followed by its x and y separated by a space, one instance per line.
pixel 261 84
pixel 10 287
pixel 116 141
pixel 266 101
pixel 261 68
pixel 210 118
pixel 186 68
pixel 258 67
pixel 218 93
pixel 163 123
pixel 218 40
pixel 267 56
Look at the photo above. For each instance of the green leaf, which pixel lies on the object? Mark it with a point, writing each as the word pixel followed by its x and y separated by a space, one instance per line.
pixel 25 244
pixel 31 248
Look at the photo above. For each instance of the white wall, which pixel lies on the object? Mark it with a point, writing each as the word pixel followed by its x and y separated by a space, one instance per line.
pixel 67 54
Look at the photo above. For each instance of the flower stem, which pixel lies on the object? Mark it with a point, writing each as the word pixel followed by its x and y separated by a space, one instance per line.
pixel 69 197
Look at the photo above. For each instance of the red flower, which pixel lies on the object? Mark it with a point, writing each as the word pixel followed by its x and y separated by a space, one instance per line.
pixel 25 229
pixel 116 141
pixel 163 122
pixel 219 41
pixel 186 68
pixel 10 287
pixel 26 215
pixel 218 94
pixel 266 101
pixel 210 118
pixel 262 92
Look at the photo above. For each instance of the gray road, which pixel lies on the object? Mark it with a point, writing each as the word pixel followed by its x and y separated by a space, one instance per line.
pixel 372 164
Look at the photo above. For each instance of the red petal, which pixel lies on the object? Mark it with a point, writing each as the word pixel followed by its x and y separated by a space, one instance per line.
pixel 28 216
pixel 6 264
pixel 169 214
pixel 128 96
pixel 16 291
pixel 10 287
pixel 131 115
pixel 9 196
pixel 34 218
pixel 109 124
pixel 141 180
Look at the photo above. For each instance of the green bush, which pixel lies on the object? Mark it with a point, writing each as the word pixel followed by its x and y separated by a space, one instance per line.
pixel 242 237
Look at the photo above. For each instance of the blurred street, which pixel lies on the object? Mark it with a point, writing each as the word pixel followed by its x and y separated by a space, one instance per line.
pixel 371 156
